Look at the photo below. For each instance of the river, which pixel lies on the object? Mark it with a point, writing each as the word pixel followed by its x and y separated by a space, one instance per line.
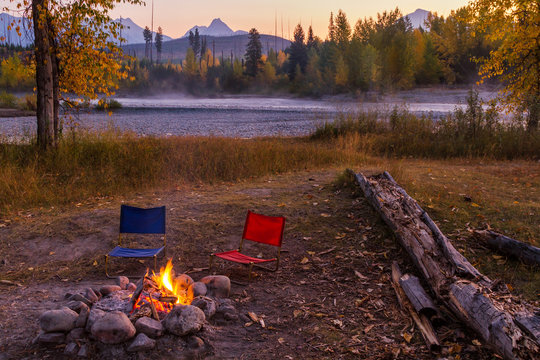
pixel 241 116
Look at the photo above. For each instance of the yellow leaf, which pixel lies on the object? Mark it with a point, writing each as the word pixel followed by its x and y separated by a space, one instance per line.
pixel 407 337
pixel 297 313
pixel 305 260
pixel 95 263
pixel 475 204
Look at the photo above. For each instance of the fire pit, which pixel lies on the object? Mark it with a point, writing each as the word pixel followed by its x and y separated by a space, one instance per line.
pixel 133 317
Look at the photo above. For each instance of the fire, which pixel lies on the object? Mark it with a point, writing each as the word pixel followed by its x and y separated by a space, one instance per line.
pixel 170 286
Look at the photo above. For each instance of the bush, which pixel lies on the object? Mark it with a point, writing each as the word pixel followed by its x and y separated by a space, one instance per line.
pixel 8 100
pixel 108 104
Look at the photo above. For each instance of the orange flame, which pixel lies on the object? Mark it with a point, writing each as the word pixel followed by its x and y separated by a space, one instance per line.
pixel 167 283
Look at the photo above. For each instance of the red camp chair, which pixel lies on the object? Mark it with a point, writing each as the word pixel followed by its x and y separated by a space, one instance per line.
pixel 262 229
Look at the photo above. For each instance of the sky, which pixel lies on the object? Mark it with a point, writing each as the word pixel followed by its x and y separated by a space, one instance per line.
pixel 176 17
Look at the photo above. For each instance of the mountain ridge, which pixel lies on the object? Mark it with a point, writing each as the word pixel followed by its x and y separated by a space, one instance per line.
pixel 217 28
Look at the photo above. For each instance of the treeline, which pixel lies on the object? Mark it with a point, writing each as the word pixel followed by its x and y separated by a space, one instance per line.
pixel 382 53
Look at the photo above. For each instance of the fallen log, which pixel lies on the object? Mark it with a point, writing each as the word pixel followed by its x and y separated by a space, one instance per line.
pixel 420 300
pixel 421 320
pixel 452 279
pixel 508 246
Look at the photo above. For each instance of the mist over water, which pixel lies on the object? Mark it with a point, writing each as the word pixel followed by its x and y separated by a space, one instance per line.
pixel 238 116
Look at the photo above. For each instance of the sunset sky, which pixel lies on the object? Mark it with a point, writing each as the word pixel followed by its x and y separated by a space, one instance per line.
pixel 176 17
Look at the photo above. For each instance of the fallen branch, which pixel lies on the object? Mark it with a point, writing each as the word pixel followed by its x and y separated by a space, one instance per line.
pixel 508 246
pixel 452 279
pixel 422 321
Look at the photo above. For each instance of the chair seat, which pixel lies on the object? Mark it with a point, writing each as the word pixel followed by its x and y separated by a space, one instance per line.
pixel 134 253
pixel 238 257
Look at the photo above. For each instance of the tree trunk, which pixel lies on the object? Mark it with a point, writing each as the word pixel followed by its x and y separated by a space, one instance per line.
pixel 508 246
pixel 44 75
pixel 53 42
pixel 455 282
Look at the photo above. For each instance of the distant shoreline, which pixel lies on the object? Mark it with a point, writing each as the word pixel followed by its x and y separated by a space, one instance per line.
pixel 11 113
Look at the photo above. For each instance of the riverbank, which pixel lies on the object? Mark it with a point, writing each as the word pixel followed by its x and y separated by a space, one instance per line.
pixel 14 113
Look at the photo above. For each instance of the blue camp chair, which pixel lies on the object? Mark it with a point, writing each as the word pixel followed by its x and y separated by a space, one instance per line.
pixel 135 220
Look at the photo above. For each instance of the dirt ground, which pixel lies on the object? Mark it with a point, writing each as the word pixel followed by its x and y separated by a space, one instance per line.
pixel 331 297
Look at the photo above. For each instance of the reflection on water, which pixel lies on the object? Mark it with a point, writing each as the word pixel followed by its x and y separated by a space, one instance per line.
pixel 231 116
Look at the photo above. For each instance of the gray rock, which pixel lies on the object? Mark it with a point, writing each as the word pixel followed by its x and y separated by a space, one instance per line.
pixel 197 289
pixel 108 289
pixel 141 343
pixel 76 305
pixel 195 342
pixel 71 349
pixel 58 320
pixel 183 281
pixel 51 338
pixel 83 351
pixel 113 328
pixel 95 314
pixel 149 327
pixel 207 305
pixel 79 297
pixel 90 294
pixel 122 281
pixel 227 311
pixel 76 334
pixel 218 286
pixel 184 319
pixel 83 317
pixel 131 287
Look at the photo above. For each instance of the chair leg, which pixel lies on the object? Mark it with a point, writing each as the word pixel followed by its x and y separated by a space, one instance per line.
pixel 250 268
pixel 155 262
pixel 106 267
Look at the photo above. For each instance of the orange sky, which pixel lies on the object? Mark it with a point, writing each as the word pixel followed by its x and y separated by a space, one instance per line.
pixel 176 17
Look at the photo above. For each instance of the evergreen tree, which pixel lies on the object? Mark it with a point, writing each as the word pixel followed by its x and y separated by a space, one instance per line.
pixel 331 28
pixel 298 53
pixel 196 43
pixel 311 41
pixel 191 39
pixel 253 53
pixel 147 34
pixel 159 43
pixel 342 31
pixel 203 48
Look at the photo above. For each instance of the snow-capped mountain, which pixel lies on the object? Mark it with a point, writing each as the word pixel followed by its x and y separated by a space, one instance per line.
pixel 133 33
pixel 418 18
pixel 216 28
pixel 8 32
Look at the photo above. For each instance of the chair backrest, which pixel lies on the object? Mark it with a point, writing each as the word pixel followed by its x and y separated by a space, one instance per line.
pixel 264 229
pixel 135 220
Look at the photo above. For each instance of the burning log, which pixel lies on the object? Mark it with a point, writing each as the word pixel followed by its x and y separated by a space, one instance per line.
pixel 454 281
pixel 508 246
pixel 420 318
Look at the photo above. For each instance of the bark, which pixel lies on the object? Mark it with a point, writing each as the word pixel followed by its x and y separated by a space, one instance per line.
pixel 53 41
pixel 44 75
pixel 508 246
pixel 453 280
pixel 420 300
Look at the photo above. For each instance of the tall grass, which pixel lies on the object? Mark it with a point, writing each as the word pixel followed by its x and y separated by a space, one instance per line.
pixel 91 164
pixel 473 132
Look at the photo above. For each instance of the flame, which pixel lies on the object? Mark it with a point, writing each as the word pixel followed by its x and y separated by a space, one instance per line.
pixel 169 285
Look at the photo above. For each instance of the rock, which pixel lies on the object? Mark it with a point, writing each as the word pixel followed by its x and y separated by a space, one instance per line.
pixel 195 342
pixel 122 281
pixel 183 281
pixel 76 334
pixel 131 287
pixel 184 319
pixel 51 338
pixel 149 327
pixel 108 289
pixel 90 294
pixel 58 320
pixel 97 292
pixel 113 328
pixel 83 351
pixel 95 314
pixel 79 297
pixel 227 311
pixel 71 349
pixel 218 286
pixel 197 289
pixel 83 317
pixel 207 305
pixel 76 305
pixel 141 343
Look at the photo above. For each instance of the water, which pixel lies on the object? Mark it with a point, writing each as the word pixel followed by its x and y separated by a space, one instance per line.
pixel 236 116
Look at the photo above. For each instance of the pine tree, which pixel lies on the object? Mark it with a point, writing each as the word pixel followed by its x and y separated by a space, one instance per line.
pixel 159 43
pixel 147 34
pixel 342 31
pixel 196 43
pixel 298 53
pixel 311 42
pixel 253 53
pixel 203 48
pixel 331 28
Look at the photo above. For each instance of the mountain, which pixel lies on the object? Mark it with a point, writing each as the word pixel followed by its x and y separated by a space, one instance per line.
pixel 133 33
pixel 11 37
pixel 418 18
pixel 216 28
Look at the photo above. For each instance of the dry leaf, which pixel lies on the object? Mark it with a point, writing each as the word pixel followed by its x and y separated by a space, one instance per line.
pixel 325 215
pixel 338 323
pixel 476 342
pixel 297 313
pixel 475 204
pixel 360 275
pixel 248 324
pixel 282 205
pixel 281 341
pixel 261 321
pixel 95 263
pixel 305 260
pixel 368 328
pixel 407 337
pixel 253 316
pixel 51 253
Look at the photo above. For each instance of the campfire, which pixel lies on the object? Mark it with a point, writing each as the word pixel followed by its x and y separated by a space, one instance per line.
pixel 160 292
pixel 160 307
